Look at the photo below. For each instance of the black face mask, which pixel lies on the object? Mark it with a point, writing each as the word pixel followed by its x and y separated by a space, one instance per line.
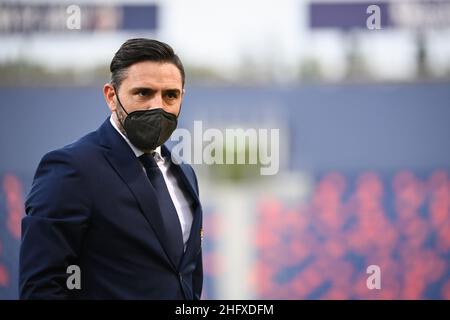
pixel 148 129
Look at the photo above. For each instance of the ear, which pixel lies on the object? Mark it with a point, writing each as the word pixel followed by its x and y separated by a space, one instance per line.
pixel 110 96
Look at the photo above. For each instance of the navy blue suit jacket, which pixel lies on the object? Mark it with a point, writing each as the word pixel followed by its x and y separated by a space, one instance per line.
pixel 91 205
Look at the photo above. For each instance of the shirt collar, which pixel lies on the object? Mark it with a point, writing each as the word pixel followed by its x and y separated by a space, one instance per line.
pixel 138 152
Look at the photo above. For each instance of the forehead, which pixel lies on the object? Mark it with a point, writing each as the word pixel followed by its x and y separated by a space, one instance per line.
pixel 152 74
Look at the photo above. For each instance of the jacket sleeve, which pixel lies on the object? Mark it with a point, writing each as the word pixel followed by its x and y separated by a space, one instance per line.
pixel 57 218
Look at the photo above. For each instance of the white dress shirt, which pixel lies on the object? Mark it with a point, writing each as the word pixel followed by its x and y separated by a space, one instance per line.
pixel 180 201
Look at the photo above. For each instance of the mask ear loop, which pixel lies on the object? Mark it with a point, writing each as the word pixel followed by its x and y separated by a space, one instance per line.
pixel 178 115
pixel 121 105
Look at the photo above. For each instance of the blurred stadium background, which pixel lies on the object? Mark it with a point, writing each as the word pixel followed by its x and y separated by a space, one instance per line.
pixel 364 119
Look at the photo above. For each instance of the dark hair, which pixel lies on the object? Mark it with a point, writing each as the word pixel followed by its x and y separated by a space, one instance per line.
pixel 141 49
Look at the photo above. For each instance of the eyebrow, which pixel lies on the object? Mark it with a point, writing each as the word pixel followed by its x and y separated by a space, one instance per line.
pixel 148 89
pixel 134 90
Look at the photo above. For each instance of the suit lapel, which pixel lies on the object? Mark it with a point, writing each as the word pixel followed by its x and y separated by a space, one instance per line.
pixel 127 166
pixel 184 172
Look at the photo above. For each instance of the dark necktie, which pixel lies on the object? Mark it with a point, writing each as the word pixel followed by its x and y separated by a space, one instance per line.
pixel 168 211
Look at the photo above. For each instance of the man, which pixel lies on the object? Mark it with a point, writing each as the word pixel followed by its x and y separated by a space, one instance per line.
pixel 112 210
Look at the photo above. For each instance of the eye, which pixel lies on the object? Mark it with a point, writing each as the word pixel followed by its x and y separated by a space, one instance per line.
pixel 142 93
pixel 172 95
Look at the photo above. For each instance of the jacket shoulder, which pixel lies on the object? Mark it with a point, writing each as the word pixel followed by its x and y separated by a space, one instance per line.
pixel 81 151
